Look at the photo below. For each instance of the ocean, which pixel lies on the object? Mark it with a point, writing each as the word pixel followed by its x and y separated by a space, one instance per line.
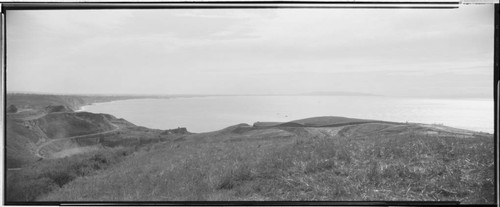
pixel 203 114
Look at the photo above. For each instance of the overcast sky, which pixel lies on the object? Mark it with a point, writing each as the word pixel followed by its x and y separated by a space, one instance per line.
pixel 402 52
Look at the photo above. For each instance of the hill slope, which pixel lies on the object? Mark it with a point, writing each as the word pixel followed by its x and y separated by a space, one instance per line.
pixel 311 160
pixel 49 151
pixel 24 136
pixel 38 118
pixel 39 101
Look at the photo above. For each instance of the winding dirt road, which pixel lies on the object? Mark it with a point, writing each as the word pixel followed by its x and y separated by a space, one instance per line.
pixel 39 148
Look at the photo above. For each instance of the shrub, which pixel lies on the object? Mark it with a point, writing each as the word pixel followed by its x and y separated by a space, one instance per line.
pixel 44 176
pixel 234 176
pixel 28 190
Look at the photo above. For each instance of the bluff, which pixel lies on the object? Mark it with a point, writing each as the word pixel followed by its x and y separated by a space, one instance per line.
pixel 73 102
pixel 25 135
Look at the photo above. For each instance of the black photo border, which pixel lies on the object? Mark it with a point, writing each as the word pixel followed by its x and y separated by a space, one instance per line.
pixel 255 4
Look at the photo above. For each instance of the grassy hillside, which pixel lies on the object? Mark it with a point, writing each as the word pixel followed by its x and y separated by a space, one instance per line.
pixel 79 156
pixel 24 136
pixel 67 159
pixel 367 161
pixel 45 129
pixel 64 131
pixel 59 125
pixel 21 143
pixel 40 118
pixel 327 121
pixel 44 176
pixel 324 121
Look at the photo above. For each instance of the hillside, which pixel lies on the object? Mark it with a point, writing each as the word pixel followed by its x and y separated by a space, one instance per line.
pixel 56 154
pixel 52 150
pixel 24 136
pixel 39 101
pixel 323 121
pixel 33 119
pixel 316 159
pixel 36 119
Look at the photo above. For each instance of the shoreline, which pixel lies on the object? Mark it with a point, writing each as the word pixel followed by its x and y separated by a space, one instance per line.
pixel 82 107
pixel 269 117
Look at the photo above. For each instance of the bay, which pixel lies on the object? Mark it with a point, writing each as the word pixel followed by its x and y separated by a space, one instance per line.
pixel 203 114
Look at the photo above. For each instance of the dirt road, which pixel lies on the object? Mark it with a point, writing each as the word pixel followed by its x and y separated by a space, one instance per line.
pixel 39 148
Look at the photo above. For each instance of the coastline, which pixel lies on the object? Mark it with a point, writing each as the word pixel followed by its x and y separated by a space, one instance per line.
pixel 83 107
pixel 227 111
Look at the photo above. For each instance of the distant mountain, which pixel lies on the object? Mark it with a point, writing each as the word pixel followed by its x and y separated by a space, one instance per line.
pixel 336 93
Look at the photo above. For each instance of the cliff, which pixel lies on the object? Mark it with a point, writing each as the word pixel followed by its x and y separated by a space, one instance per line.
pixel 24 136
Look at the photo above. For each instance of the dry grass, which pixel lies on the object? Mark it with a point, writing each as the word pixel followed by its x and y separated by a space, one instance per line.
pixel 399 167
pixel 388 168
pixel 47 175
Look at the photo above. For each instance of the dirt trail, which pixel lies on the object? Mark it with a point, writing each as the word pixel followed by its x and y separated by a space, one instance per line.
pixel 39 148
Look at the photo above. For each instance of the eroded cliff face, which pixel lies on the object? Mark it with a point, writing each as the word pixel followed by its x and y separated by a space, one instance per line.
pixel 24 136
pixel 60 125
pixel 38 118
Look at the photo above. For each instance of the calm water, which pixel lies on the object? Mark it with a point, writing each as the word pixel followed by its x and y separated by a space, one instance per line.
pixel 202 114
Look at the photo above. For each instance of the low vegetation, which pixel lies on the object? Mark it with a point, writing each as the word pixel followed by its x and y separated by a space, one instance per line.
pixel 383 168
pixel 47 175
pixel 409 167
pixel 322 158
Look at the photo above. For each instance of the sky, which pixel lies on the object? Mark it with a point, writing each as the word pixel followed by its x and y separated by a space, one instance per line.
pixel 392 52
